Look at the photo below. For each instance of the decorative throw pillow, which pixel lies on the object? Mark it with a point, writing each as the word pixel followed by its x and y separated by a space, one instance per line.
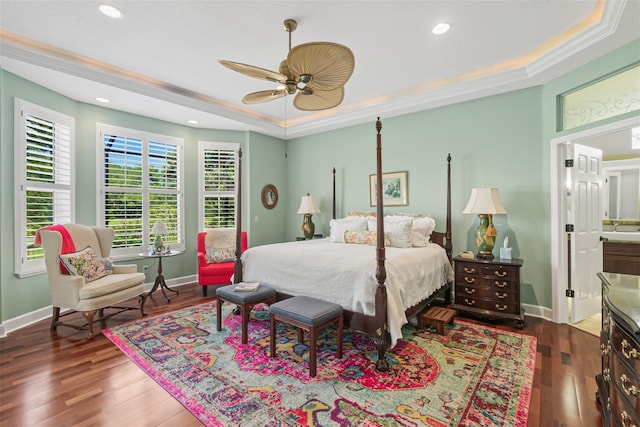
pixel 220 254
pixel 339 226
pixel 365 237
pixel 421 229
pixel 84 263
pixel 397 229
pixel 107 263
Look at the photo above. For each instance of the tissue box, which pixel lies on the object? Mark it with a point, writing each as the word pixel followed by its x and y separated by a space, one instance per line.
pixel 505 253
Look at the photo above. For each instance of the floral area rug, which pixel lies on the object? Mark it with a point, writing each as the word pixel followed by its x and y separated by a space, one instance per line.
pixel 473 376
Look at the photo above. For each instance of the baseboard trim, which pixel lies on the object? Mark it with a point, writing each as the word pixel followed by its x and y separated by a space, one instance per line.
pixel 24 320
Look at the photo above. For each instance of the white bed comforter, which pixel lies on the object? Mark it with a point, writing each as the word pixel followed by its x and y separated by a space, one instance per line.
pixel 345 274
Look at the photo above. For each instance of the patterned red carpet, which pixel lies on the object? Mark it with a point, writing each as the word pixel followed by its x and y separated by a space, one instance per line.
pixel 473 376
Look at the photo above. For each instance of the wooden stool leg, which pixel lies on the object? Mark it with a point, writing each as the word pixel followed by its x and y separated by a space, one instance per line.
pixel 340 327
pixel 300 336
pixel 218 313
pixel 272 337
pixel 313 350
pixel 245 322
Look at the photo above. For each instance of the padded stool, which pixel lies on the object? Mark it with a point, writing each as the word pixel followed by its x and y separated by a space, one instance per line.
pixel 245 300
pixel 308 314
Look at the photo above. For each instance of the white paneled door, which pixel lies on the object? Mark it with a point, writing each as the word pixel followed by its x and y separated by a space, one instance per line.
pixel 585 204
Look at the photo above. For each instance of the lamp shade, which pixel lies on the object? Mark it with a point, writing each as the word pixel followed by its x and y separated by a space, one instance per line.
pixel 159 228
pixel 308 205
pixel 484 201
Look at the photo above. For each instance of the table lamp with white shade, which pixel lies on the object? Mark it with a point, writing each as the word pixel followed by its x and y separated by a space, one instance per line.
pixel 158 229
pixel 485 202
pixel 308 207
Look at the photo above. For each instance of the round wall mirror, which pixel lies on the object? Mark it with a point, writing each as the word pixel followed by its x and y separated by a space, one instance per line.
pixel 269 196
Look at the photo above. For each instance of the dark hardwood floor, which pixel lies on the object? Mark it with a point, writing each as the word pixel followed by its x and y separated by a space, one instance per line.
pixel 61 379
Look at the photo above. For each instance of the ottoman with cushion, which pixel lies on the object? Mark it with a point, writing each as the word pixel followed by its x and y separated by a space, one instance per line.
pixel 245 300
pixel 308 314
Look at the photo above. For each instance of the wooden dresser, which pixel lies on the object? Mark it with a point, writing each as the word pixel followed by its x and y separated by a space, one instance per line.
pixel 619 380
pixel 489 288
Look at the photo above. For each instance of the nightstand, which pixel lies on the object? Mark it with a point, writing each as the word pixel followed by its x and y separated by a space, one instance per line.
pixel 489 288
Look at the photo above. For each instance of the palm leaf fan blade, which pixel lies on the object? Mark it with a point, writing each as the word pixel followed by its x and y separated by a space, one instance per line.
pixel 330 64
pixel 253 71
pixel 319 100
pixel 263 96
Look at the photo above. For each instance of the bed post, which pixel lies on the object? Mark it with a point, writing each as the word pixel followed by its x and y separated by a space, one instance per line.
pixel 448 246
pixel 382 339
pixel 237 268
pixel 334 194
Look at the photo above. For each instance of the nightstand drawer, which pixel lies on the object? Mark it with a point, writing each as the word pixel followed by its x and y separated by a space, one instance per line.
pixel 486 304
pixel 486 292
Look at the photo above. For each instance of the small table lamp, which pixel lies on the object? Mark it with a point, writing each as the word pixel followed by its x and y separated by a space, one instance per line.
pixel 485 202
pixel 308 207
pixel 158 229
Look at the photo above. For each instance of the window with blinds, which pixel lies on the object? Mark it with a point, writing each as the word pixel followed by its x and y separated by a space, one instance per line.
pixel 44 182
pixel 140 183
pixel 217 164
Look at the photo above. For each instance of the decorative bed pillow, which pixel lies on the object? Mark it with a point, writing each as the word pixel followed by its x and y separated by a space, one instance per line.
pixel 220 244
pixel 363 237
pixel 84 263
pixel 220 254
pixel 361 213
pixel 421 229
pixel 397 229
pixel 339 226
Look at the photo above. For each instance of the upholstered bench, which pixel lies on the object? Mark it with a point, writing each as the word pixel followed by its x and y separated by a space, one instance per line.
pixel 307 314
pixel 245 300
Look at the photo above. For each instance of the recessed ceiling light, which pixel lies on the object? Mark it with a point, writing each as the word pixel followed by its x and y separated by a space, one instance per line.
pixel 110 11
pixel 193 122
pixel 441 28
pixel 103 100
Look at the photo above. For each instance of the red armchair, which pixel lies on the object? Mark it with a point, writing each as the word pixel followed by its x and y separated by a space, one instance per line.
pixel 217 273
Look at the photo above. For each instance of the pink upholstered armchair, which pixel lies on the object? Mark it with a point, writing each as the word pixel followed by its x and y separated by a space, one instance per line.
pixel 214 273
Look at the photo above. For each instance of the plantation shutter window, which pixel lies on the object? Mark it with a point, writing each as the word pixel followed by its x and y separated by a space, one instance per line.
pixel 217 183
pixel 44 183
pixel 142 182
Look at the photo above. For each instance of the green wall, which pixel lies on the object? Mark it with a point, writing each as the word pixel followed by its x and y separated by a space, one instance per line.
pixel 500 141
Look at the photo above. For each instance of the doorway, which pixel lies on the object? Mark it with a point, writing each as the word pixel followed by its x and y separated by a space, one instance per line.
pixel 560 259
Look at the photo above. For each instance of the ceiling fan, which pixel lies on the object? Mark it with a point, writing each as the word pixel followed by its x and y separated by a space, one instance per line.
pixel 316 71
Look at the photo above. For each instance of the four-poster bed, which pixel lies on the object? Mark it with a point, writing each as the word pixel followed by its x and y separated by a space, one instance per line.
pixel 406 279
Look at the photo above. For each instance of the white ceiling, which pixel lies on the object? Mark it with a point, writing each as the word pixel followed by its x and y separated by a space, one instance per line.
pixel 160 58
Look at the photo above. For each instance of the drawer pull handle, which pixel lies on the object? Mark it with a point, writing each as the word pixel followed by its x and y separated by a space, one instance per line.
pixel 631 390
pixel 501 295
pixel 500 273
pixel 469 290
pixel 469 270
pixel 626 419
pixel 472 302
pixel 633 354
pixel 606 374
pixel 470 279
pixel 604 349
pixel 503 308
pixel 500 285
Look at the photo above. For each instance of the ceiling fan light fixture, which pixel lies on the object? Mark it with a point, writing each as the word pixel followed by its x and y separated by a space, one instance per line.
pixel 316 71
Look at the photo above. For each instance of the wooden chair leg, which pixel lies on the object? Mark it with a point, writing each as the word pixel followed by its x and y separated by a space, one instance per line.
pixel 143 299
pixel 300 335
pixel 89 315
pixel 55 318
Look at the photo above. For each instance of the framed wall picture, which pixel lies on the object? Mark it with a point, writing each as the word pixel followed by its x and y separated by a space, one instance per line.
pixel 395 191
pixel 269 196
